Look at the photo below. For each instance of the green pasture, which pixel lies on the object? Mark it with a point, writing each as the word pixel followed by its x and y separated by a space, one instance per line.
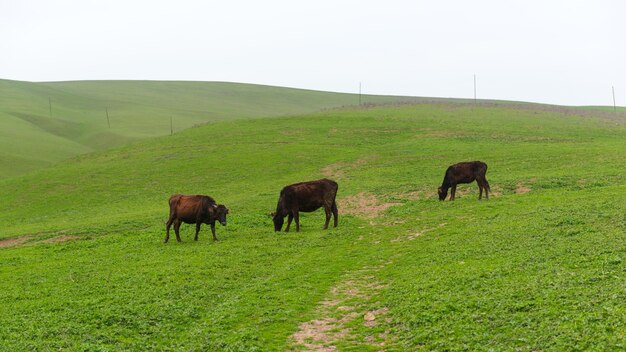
pixel 540 266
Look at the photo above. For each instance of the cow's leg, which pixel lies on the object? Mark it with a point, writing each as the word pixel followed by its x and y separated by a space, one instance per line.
pixel 452 192
pixel 177 229
pixel 327 212
pixel 487 189
pixel 480 190
pixel 296 217
pixel 167 229
pixel 197 230
pixel 482 182
pixel 289 218
pixel 213 230
pixel 335 213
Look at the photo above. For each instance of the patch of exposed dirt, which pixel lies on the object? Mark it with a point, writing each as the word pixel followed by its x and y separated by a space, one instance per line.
pixel 521 189
pixel 62 238
pixel 15 241
pixel 496 191
pixel 338 170
pixel 370 317
pixel 333 171
pixel 364 205
pixel 347 302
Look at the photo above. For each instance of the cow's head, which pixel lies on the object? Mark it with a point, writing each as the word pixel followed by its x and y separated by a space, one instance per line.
pixel 221 214
pixel 442 193
pixel 279 220
pixel 218 212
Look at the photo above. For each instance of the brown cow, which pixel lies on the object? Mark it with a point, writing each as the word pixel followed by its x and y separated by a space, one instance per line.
pixel 194 210
pixel 465 172
pixel 306 197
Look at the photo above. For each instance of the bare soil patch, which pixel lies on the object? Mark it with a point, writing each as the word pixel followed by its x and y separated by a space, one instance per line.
pixel 370 317
pixel 496 191
pixel 15 241
pixel 521 189
pixel 364 205
pixel 62 238
pixel 346 302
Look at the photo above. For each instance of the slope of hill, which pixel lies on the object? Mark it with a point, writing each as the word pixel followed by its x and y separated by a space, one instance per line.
pixel 537 267
pixel 43 123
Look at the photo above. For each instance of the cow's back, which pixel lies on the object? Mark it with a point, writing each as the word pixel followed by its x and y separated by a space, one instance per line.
pixel 466 171
pixel 189 207
pixel 309 196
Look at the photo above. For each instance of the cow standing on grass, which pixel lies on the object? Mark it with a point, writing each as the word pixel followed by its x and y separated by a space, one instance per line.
pixel 465 172
pixel 194 210
pixel 306 197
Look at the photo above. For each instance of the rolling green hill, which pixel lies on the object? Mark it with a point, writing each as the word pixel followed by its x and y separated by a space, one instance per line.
pixel 539 266
pixel 43 123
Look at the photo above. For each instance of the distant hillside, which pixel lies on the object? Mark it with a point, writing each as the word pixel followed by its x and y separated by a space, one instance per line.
pixel 43 123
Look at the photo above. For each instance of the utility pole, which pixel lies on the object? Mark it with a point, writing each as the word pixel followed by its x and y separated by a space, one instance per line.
pixel 108 121
pixel 359 93
pixel 614 106
pixel 474 88
pixel 171 126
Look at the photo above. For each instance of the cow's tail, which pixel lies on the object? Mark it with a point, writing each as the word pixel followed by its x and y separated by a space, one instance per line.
pixel 334 206
pixel 173 202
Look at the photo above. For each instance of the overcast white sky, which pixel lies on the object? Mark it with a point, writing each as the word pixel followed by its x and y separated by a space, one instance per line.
pixel 553 51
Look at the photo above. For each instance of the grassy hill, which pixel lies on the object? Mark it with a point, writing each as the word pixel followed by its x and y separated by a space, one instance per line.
pixel 43 123
pixel 539 266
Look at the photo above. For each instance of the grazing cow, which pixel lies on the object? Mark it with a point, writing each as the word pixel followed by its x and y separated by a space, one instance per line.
pixel 194 210
pixel 306 197
pixel 465 172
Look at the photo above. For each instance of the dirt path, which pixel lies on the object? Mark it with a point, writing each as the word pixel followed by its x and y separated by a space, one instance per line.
pixel 364 204
pixel 18 241
pixel 351 301
pixel 15 241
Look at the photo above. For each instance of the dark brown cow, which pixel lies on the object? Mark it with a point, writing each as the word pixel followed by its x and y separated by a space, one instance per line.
pixel 194 210
pixel 306 197
pixel 465 172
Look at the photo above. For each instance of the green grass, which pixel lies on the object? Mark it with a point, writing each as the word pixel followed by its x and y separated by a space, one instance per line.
pixel 535 271
pixel 33 135
pixel 607 108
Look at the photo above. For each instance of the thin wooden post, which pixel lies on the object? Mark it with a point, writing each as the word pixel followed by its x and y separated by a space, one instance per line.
pixel 359 93
pixel 614 106
pixel 474 88
pixel 171 126
pixel 108 121
pixel 50 106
